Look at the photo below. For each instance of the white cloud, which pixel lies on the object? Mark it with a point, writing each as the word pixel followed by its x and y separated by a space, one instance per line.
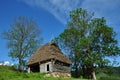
pixel 58 8
pixel 6 63
pixel 105 8
pixel 12 64
pixel 1 64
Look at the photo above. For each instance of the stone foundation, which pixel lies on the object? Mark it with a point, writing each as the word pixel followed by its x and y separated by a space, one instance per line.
pixel 58 74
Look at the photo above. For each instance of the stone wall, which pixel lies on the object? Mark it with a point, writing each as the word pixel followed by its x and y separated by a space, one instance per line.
pixel 58 74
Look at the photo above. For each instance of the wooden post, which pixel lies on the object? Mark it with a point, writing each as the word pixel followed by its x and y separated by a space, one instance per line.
pixel 39 66
pixel 51 65
pixel 29 69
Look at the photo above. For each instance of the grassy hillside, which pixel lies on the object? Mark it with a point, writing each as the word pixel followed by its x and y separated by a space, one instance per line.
pixel 108 73
pixel 103 76
pixel 9 73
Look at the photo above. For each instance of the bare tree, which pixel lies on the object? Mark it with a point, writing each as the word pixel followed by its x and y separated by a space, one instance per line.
pixel 23 39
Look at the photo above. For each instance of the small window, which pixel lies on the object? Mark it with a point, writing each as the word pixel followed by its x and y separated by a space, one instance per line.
pixel 48 67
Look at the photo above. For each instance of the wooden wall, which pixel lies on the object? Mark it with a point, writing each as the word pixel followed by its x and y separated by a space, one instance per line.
pixel 54 66
pixel 61 67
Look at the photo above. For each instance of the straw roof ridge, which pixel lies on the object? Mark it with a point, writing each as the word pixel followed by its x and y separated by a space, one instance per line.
pixel 47 52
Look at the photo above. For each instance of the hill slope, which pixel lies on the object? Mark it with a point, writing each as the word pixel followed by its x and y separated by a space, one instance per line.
pixel 9 73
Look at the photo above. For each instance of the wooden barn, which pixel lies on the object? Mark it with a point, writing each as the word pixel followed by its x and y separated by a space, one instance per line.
pixel 49 59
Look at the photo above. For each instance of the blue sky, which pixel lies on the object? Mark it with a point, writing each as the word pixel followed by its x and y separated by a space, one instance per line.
pixel 52 15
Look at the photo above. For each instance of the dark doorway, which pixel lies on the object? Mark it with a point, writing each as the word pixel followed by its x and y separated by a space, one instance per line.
pixel 48 69
pixel 35 68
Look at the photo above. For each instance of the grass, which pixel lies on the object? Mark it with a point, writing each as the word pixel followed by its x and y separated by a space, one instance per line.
pixel 103 76
pixel 9 73
pixel 109 78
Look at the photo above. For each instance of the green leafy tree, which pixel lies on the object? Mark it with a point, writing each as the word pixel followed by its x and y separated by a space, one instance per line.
pixel 88 40
pixel 99 43
pixel 78 27
pixel 23 39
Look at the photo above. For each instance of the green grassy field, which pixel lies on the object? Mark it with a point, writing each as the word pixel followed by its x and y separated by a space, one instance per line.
pixel 103 76
pixel 8 73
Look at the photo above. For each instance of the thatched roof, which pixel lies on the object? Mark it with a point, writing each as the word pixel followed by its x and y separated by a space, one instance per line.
pixel 47 52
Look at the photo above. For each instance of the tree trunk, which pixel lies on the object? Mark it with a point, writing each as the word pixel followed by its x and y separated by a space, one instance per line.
pixel 76 67
pixel 76 73
pixel 83 71
pixel 20 65
pixel 94 76
pixel 76 70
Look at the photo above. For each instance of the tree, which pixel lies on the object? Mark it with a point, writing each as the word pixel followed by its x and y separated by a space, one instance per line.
pixel 78 26
pixel 23 39
pixel 88 40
